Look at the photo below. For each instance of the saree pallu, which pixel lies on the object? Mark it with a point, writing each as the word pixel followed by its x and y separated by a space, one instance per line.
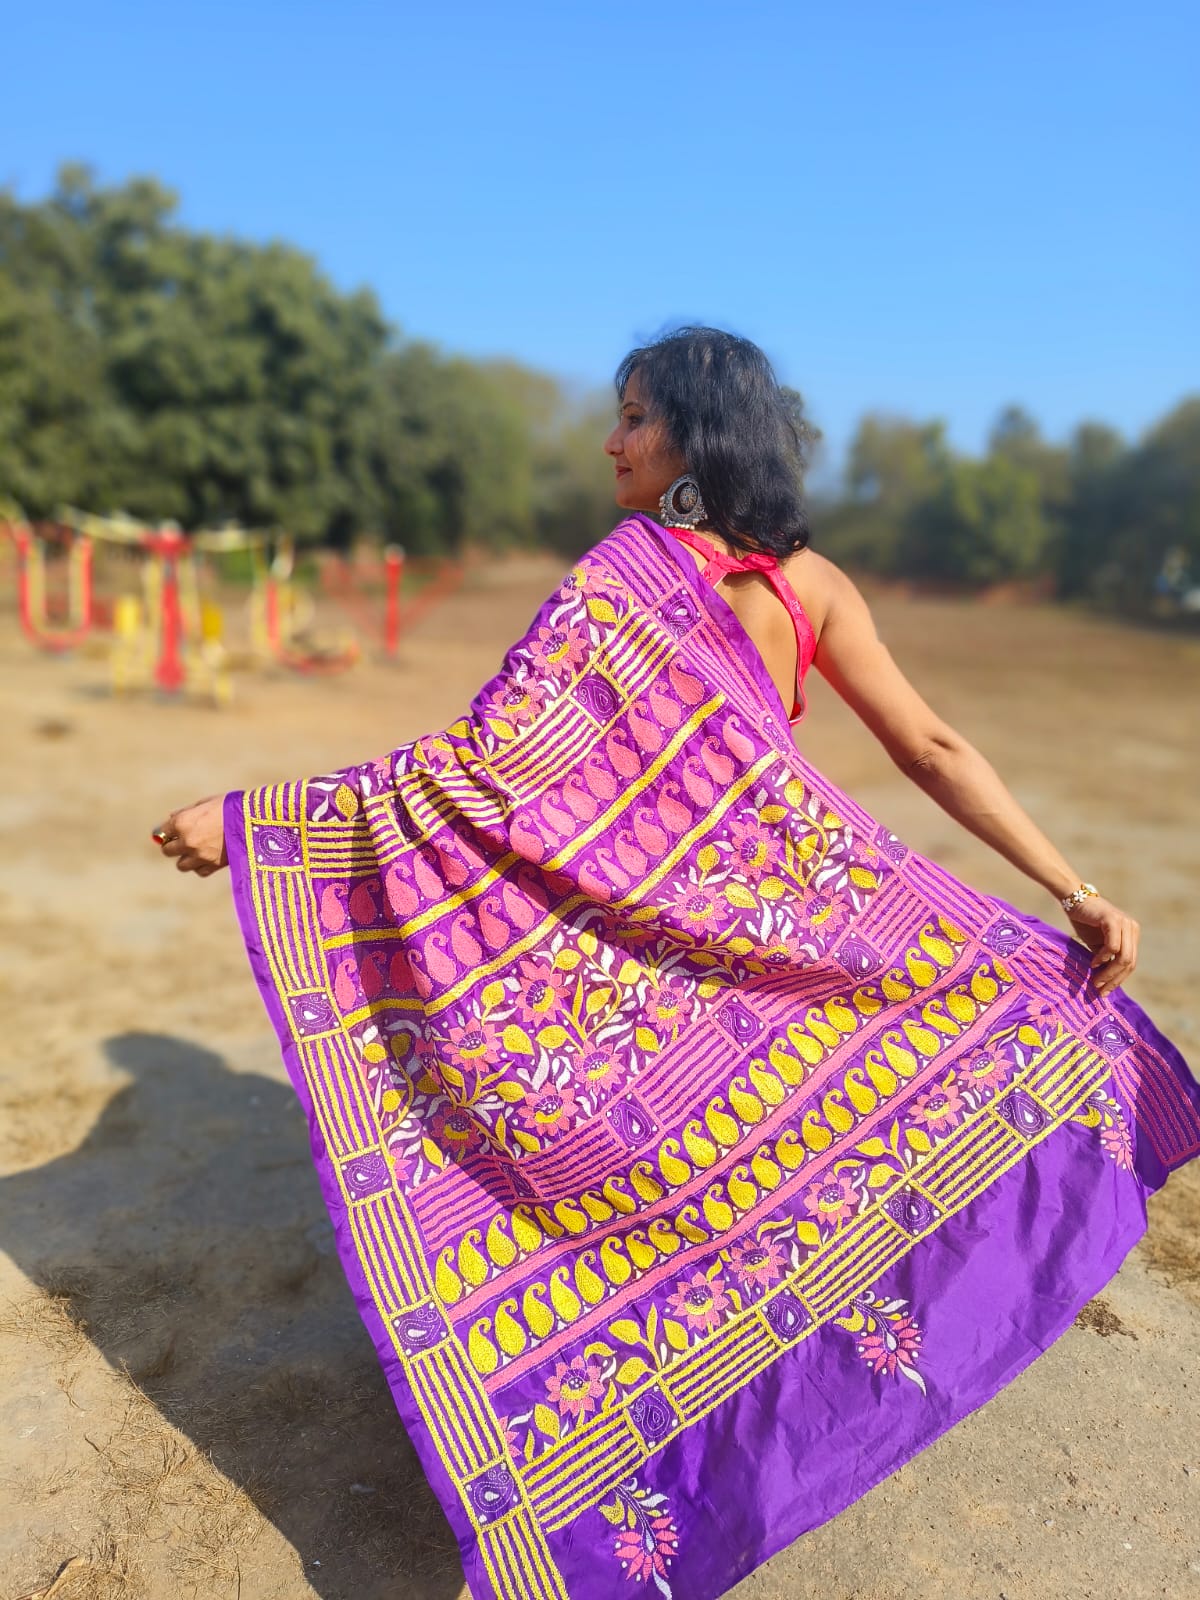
pixel 696 1152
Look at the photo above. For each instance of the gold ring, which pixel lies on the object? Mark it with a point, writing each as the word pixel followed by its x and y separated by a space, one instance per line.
pixel 161 835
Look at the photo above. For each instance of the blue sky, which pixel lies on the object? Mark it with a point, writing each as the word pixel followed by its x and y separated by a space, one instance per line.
pixel 932 209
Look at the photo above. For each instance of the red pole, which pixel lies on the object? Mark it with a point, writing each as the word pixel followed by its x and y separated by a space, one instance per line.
pixel 168 544
pixel 393 559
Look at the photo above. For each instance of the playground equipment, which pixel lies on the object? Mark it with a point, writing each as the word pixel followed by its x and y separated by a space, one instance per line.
pixel 167 629
pixel 32 589
pixel 166 637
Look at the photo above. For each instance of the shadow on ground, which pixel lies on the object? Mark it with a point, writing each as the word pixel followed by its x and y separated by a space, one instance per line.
pixel 187 1234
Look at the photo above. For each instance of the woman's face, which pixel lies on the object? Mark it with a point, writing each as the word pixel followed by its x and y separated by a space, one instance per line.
pixel 645 461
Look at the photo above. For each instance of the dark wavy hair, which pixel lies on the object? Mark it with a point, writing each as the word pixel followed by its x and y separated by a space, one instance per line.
pixel 742 435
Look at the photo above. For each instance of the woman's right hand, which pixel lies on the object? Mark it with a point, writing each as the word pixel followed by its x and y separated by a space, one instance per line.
pixel 195 837
pixel 1111 936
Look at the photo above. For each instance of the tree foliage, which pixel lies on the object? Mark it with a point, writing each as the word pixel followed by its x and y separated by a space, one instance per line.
pixel 1099 520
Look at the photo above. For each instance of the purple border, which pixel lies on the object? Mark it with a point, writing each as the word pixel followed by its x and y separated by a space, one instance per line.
pixel 240 869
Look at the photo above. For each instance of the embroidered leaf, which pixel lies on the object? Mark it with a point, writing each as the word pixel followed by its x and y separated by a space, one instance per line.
pixel 452 1076
pixel 645 1039
pixel 707 858
pixel 1028 1035
pixel 918 1140
pixel 512 1092
pixel 808 1233
pixel 597 1348
pixel 502 730
pixel 772 888
pixel 401 1044
pixel 528 1448
pixel 631 1370
pixel 566 959
pixel 643 914
pixel 652 1325
pixel 773 813
pixel 500 1136
pixel 738 895
pixel 374 1051
pixel 793 792
pixel 525 1140
pixel 625 1329
pixel 547 1421
pixel 806 846
pixel 346 800
pixel 597 1000
pixel 551 1037
pixel 872 1147
pixel 516 1040
pixel 601 610
pixel 614 1513
pixel 879 1174
pixel 493 994
pixel 862 879
pixel 739 946
pixel 588 942
pixel 630 972
pixel 894 1138
pixel 676 1334
pixel 433 1153
pixel 709 987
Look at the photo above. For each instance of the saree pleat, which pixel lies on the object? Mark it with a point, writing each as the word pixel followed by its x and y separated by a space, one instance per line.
pixel 695 1150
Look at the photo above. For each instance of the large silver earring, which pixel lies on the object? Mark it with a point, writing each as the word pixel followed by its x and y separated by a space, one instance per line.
pixel 682 506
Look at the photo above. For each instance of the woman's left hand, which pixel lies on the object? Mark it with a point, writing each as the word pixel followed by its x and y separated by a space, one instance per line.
pixel 195 837
pixel 1111 936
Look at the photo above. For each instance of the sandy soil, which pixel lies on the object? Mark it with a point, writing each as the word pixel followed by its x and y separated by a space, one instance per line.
pixel 188 1402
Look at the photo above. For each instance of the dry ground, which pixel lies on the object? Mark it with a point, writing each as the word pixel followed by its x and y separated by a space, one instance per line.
pixel 188 1402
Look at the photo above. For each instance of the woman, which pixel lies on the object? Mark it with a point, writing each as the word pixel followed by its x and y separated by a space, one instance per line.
pixel 696 1151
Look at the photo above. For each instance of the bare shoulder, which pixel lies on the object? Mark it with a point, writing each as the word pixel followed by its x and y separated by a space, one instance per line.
pixel 820 584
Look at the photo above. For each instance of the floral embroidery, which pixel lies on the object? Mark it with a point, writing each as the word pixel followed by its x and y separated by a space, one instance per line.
pixel 541 992
pixel 517 700
pixel 648 1540
pixel 473 1044
pixel 700 1301
pixel 887 1336
pixel 1101 1111
pixel 550 1110
pixel 756 1265
pixel 941 1107
pixel 555 649
pixel 575 1388
pixel 831 1200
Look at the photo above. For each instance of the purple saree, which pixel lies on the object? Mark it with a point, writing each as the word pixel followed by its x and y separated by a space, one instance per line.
pixel 697 1153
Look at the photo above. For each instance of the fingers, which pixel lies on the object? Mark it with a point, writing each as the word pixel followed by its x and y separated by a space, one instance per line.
pixel 1116 959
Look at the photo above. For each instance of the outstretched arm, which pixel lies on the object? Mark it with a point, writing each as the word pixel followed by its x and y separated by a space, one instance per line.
pixel 195 837
pixel 951 771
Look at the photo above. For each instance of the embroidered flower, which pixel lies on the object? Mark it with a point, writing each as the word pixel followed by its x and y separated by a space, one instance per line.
pixel 831 1199
pixel 517 700
pixel 701 910
pixel 542 990
pixel 1041 1013
pixel 455 1131
pixel 575 1388
pixel 473 1044
pixel 826 915
pixel 784 953
pixel 756 1265
pixel 549 1110
pixel 940 1108
pixel 644 1551
pixel 667 1007
pixel 983 1069
pixel 596 1067
pixel 1115 1139
pixel 557 648
pixel 892 1344
pixel 699 1301
pixel 754 849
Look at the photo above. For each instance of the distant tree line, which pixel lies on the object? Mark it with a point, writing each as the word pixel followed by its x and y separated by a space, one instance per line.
pixel 148 367
pixel 1113 523
pixel 170 373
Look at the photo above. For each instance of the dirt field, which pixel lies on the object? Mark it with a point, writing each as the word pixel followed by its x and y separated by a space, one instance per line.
pixel 188 1402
